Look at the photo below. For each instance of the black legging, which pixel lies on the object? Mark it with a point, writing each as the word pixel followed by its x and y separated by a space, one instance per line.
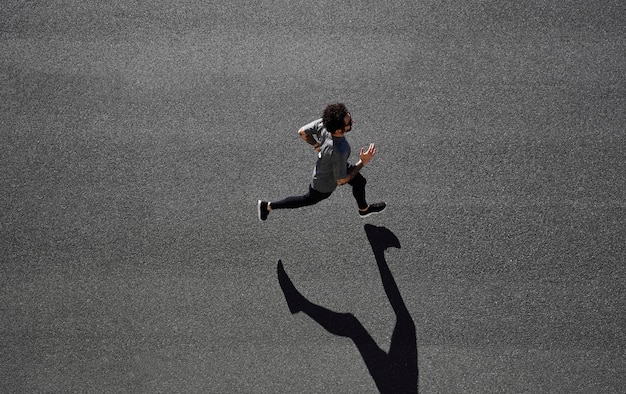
pixel 314 196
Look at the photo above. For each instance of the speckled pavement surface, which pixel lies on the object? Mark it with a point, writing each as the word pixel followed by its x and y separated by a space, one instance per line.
pixel 137 137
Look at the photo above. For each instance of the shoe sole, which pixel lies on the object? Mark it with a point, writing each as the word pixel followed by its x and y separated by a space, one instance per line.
pixel 372 213
pixel 258 209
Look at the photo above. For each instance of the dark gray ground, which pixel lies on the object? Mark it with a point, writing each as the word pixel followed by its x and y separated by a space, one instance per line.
pixel 137 136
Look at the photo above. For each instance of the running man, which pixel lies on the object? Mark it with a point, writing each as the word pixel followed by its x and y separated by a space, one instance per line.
pixel 327 136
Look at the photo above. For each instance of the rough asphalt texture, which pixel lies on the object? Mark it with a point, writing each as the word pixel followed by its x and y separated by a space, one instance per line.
pixel 137 137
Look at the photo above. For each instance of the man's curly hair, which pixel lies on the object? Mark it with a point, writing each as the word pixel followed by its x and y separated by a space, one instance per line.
pixel 333 117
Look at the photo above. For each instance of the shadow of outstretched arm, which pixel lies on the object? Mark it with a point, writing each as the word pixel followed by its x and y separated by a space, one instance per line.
pixel 394 371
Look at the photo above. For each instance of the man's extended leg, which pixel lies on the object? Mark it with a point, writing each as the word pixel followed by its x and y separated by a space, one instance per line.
pixel 358 191
pixel 312 197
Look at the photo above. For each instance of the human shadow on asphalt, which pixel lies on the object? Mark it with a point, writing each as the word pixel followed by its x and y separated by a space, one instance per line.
pixel 394 371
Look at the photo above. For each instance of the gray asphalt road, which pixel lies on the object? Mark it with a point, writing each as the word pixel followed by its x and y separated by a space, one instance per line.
pixel 138 136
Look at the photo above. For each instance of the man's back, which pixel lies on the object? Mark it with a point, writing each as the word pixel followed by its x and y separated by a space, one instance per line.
pixel 332 163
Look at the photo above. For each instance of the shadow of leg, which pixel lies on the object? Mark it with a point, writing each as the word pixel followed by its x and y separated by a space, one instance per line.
pixel 381 238
pixel 403 377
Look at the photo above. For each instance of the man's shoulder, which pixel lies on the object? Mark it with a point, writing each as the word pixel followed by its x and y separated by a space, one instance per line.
pixel 314 127
pixel 341 146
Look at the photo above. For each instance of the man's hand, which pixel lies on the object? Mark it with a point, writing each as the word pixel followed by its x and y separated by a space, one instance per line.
pixel 368 155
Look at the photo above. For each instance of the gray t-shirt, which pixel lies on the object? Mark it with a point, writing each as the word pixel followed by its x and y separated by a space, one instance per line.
pixel 332 162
